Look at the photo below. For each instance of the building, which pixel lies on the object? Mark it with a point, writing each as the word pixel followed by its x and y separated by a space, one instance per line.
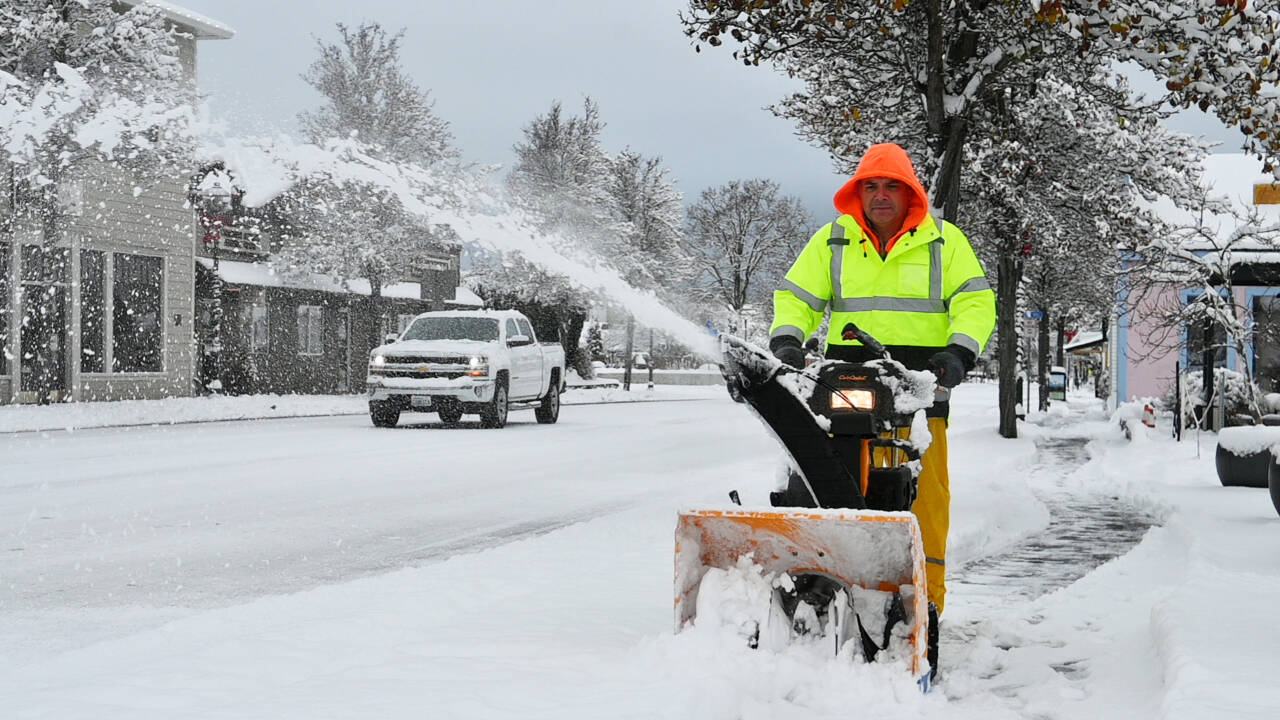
pixel 300 333
pixel 105 310
pixel 1145 359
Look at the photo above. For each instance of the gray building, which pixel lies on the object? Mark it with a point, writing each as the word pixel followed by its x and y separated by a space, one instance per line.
pixel 105 311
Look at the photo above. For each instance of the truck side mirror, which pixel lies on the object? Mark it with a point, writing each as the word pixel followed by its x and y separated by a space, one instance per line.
pixel 517 340
pixel 392 337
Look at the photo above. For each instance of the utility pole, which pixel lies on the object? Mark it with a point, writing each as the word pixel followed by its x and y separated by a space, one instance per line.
pixel 626 368
pixel 650 363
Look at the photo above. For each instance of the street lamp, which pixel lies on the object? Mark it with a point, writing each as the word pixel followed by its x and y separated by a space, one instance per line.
pixel 213 196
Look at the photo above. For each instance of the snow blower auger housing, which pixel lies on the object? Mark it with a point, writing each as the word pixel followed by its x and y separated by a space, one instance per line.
pixel 841 549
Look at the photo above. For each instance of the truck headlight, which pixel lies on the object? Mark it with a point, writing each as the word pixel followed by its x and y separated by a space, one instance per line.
pixel 377 363
pixel 478 366
pixel 853 399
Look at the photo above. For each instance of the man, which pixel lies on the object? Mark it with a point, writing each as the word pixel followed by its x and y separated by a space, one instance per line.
pixel 910 280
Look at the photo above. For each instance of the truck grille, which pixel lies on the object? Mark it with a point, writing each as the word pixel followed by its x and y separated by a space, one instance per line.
pixel 448 374
pixel 427 360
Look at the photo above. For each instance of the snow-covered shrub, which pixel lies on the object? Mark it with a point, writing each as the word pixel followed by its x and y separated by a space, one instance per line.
pixel 1239 396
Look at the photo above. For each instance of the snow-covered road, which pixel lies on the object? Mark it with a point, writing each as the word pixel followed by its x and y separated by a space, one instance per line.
pixel 205 515
pixel 321 568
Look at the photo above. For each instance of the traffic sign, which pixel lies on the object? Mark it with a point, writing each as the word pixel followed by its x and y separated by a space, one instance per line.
pixel 1033 314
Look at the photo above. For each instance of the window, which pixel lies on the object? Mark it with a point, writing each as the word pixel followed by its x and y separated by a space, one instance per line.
pixel 511 329
pixel 93 311
pixel 526 330
pixel 4 309
pixel 137 335
pixel 1195 334
pixel 310 330
pixel 258 328
pixel 453 328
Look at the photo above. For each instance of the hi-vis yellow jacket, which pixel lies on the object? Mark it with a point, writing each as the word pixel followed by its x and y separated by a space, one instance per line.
pixel 928 292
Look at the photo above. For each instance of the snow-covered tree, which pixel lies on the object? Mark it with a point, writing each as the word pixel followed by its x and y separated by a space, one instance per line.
pixel 84 86
pixel 928 74
pixel 561 179
pixel 741 238
pixel 562 175
pixel 646 199
pixel 367 92
pixel 1068 173
pixel 353 228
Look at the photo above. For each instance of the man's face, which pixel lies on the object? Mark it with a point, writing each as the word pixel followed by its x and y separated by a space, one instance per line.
pixel 885 200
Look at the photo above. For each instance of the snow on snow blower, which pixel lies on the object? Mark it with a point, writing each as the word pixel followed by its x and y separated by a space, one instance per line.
pixel 841 552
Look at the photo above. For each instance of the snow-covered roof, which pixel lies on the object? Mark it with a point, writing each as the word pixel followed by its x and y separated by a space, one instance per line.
pixel 204 28
pixel 263 275
pixel 464 296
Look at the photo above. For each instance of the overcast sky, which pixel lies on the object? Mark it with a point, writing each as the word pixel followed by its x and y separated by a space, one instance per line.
pixel 492 66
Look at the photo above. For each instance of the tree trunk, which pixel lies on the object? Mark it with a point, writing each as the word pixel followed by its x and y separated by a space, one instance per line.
pixel 1009 273
pixel 1061 324
pixel 1042 358
pixel 1207 374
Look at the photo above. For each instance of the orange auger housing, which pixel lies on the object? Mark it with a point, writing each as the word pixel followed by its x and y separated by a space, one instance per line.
pixel 864 549
pixel 839 555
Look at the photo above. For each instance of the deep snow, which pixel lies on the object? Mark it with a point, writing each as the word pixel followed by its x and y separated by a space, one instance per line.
pixel 576 622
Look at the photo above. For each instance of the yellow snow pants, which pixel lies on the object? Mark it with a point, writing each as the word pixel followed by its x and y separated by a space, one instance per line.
pixel 933 508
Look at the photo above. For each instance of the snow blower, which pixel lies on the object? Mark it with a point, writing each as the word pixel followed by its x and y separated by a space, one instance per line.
pixel 840 550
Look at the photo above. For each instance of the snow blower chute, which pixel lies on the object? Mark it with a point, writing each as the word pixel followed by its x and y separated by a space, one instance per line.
pixel 840 548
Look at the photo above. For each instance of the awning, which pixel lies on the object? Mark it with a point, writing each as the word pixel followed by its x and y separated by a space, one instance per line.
pixel 1085 341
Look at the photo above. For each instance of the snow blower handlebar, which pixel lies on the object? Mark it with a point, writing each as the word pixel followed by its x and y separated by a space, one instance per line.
pixel 853 332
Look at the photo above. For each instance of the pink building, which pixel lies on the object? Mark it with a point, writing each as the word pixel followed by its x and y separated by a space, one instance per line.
pixel 1142 357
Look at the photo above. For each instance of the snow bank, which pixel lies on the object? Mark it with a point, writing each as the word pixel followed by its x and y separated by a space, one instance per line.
pixel 1248 439
pixel 215 408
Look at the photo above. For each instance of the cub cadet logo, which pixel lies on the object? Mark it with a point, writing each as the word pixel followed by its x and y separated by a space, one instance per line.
pixel 854 378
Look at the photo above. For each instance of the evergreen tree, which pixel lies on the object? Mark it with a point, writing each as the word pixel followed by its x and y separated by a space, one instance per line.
pixel 652 210
pixel 367 92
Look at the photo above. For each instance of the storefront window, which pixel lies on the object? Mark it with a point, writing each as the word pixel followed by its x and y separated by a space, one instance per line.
pixel 137 333
pixel 1266 342
pixel 93 311
pixel 258 328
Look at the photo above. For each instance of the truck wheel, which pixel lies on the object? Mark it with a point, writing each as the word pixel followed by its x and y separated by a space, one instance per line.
pixel 450 414
pixel 494 413
pixel 383 416
pixel 549 411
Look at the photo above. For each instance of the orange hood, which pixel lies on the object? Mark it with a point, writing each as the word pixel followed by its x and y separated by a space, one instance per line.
pixel 885 160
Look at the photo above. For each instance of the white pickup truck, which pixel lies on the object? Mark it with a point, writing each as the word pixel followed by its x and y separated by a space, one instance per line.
pixel 466 361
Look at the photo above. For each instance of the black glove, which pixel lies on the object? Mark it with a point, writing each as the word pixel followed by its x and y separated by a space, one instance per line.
pixel 949 366
pixel 788 350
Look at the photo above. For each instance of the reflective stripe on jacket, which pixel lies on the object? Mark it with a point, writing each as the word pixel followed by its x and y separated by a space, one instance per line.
pixel 929 291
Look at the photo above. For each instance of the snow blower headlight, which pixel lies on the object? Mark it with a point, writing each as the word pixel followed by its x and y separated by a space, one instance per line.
pixel 861 399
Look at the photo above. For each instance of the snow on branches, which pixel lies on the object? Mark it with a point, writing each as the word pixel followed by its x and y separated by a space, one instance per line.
pixel 79 80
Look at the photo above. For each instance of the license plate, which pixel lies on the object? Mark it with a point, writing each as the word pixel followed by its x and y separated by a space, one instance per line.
pixel 420 401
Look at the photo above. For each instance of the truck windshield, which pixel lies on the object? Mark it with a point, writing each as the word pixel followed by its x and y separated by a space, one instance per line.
pixel 453 328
